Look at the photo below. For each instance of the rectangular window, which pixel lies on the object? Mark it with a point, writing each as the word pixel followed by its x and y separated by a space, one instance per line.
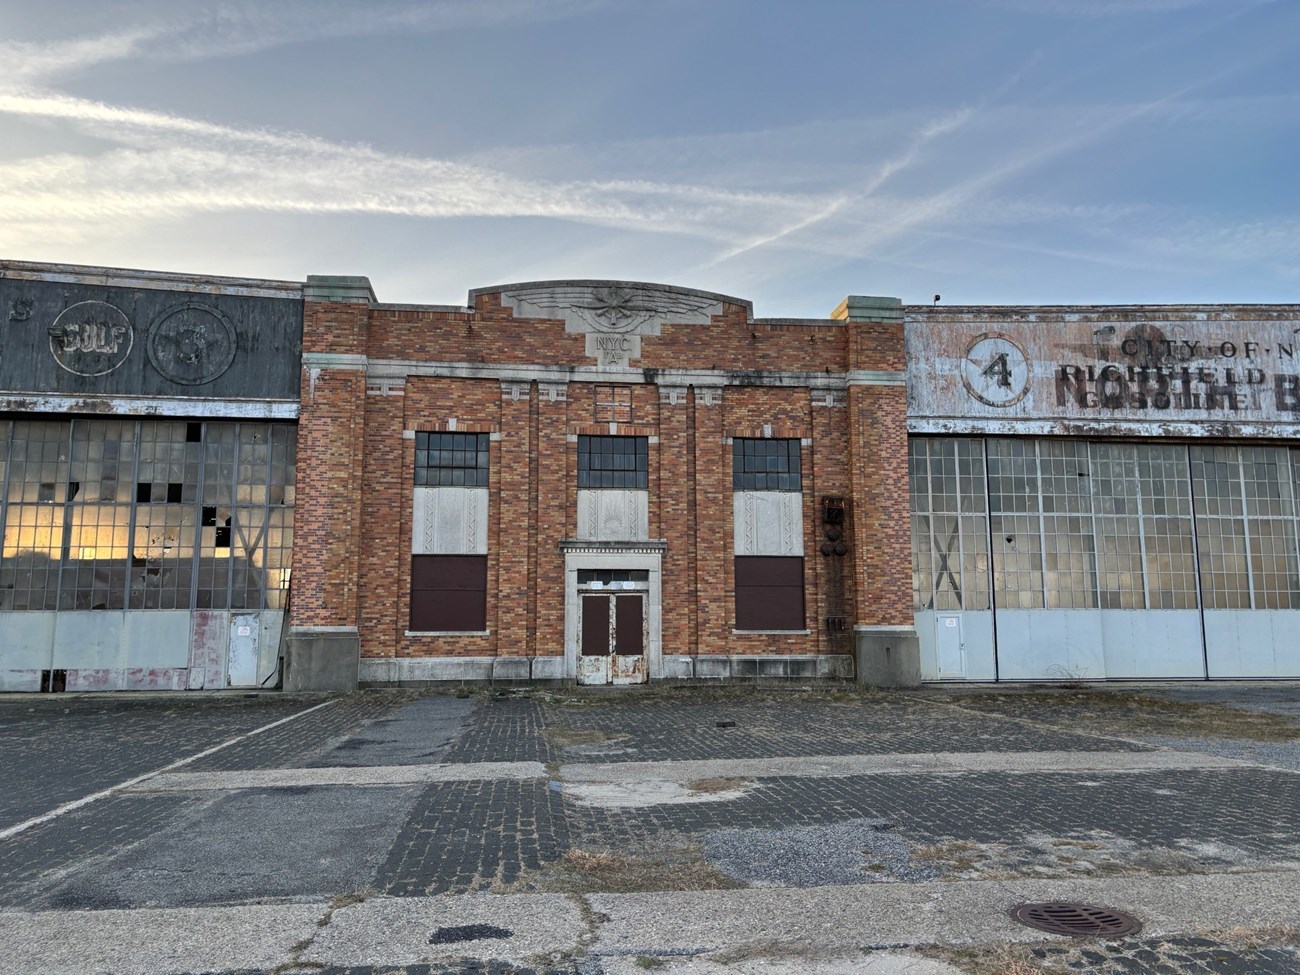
pixel 613 404
pixel 451 459
pixel 769 592
pixel 448 593
pixel 765 465
pixel 613 462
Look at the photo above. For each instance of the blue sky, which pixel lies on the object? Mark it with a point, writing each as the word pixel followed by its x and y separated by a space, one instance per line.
pixel 992 151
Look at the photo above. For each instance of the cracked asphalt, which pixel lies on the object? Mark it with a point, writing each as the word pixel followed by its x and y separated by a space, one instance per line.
pixel 597 833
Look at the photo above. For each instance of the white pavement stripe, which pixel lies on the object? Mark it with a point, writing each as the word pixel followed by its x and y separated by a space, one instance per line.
pixel 68 807
pixel 830 766
pixel 810 767
pixel 373 775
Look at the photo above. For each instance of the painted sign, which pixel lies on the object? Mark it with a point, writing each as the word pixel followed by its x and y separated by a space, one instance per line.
pixel 1193 372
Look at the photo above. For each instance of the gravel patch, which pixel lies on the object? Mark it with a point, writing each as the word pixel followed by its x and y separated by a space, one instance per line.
pixel 857 851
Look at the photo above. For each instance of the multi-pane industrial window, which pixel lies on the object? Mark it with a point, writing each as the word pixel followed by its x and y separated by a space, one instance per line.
pixel 451 459
pixel 613 462
pixel 769 588
pixel 1106 525
pixel 765 465
pixel 145 514
pixel 449 588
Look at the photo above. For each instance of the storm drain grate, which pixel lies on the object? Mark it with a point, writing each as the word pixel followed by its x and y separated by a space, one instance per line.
pixel 468 932
pixel 1076 920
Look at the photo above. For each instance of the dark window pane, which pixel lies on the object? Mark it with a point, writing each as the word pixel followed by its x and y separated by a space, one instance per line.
pixel 765 465
pixel 451 459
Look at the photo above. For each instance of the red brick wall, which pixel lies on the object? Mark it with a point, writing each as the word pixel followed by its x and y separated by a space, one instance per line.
pixel 353 543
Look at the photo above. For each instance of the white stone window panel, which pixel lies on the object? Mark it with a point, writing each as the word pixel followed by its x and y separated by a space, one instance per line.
pixel 768 522
pixel 613 515
pixel 450 521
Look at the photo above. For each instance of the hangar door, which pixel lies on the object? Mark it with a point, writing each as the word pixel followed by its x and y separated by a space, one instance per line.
pixel 1037 559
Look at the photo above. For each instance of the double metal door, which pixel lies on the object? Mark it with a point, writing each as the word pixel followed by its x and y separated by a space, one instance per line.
pixel 613 638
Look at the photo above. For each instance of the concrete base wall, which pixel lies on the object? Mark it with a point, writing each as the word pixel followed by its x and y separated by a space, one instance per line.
pixel 321 660
pixel 419 670
pixel 888 656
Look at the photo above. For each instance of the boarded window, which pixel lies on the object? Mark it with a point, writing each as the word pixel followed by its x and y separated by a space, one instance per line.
pixel 769 592
pixel 765 465
pixel 451 459
pixel 448 593
pixel 613 462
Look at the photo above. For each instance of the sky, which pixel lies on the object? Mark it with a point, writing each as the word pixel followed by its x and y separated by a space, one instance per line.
pixel 790 152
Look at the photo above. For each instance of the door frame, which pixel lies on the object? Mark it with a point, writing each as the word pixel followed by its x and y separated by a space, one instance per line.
pixel 593 556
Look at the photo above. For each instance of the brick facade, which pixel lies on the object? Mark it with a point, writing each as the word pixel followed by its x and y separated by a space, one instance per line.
pixel 373 375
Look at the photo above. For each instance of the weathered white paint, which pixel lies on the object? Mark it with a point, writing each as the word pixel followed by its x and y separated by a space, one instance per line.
pixel 450 521
pixel 1252 642
pixel 976 628
pixel 652 564
pixel 1207 371
pixel 242 409
pixel 768 522
pixel 613 515
pixel 242 660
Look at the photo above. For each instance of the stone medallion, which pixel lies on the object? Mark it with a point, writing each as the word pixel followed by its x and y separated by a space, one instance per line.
pixel 91 338
pixel 191 343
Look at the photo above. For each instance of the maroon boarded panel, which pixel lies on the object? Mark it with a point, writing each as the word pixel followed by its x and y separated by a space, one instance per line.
pixel 448 593
pixel 629 622
pixel 769 570
pixel 464 572
pixel 448 610
pixel 595 625
pixel 769 593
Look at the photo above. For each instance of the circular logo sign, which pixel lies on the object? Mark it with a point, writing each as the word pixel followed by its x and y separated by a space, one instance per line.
pixel 91 338
pixel 995 370
pixel 191 343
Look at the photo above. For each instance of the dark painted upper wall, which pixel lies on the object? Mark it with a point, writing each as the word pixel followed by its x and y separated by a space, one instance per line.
pixel 90 332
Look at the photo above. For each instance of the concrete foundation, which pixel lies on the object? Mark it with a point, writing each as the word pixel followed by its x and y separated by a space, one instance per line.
pixel 321 659
pixel 887 656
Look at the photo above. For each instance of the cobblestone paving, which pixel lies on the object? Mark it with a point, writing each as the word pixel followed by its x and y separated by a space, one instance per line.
pixel 667 729
pixel 53 751
pixel 1172 956
pixel 301 742
pixel 39 856
pixel 467 836
pixel 503 729
pixel 993 823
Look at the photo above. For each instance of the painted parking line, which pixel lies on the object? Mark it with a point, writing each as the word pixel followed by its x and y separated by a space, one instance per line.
pixel 75 804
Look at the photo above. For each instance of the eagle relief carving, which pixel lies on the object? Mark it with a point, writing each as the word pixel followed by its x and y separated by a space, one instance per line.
pixel 613 315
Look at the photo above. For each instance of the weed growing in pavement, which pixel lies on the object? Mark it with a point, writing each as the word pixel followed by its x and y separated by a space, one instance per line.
pixel 648 961
pixel 1269 936
pixel 594 871
pixel 1129 712
pixel 716 785
pixel 560 737
pixel 988 959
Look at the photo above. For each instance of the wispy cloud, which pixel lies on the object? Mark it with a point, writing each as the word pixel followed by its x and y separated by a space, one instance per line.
pixel 244 26
pixel 166 166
